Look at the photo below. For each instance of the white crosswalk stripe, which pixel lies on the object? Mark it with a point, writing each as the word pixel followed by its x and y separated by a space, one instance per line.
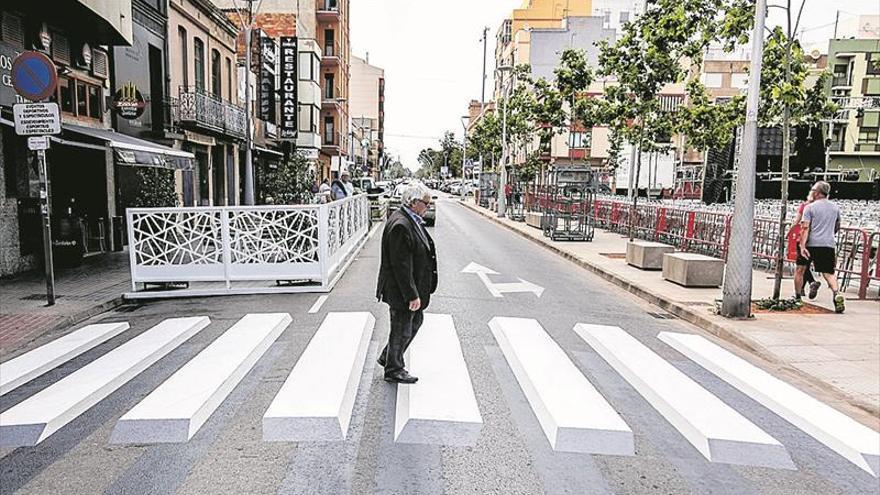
pixel 18 371
pixel 176 410
pixel 441 408
pixel 316 400
pixel 852 440
pixel 33 420
pixel 716 430
pixel 572 413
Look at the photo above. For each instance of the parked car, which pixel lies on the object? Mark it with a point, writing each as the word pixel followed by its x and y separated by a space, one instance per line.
pixel 396 200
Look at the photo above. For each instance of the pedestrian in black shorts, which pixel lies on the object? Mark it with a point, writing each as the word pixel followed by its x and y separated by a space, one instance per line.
pixel 800 261
pixel 819 227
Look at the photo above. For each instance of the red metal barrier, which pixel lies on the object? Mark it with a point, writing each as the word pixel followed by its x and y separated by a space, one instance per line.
pixel 858 256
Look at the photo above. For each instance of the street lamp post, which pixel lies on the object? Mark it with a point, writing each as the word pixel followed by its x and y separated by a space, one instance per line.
pixel 463 154
pixel 737 296
pixel 502 183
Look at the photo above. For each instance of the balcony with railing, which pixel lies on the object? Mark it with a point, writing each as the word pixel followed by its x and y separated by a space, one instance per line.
pixel 330 55
pixel 201 110
pixel 328 11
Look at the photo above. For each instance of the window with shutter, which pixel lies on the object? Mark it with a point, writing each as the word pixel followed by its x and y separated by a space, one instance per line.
pixel 60 48
pixel 100 65
pixel 12 30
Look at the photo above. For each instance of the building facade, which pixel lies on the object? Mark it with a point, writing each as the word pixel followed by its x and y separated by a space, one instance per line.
pixel 855 87
pixel 368 112
pixel 81 161
pixel 208 110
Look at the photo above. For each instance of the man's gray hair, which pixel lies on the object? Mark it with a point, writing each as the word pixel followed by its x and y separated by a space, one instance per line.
pixel 413 192
pixel 823 188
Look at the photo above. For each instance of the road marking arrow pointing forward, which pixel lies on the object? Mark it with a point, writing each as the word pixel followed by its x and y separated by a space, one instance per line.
pixel 498 290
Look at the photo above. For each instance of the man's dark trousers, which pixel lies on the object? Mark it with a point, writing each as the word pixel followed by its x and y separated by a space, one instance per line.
pixel 405 325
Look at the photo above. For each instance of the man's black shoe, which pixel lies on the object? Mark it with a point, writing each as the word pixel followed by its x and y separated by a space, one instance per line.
pixel 381 360
pixel 401 376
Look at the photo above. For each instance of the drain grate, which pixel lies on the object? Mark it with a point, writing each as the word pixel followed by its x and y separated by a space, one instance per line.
pixel 662 316
pixel 38 297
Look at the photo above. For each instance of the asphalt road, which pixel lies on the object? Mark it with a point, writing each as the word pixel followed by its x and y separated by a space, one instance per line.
pixel 511 455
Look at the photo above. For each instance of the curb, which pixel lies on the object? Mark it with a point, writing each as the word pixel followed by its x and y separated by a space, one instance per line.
pixel 684 313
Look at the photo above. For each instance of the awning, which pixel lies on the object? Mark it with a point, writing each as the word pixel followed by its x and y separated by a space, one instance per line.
pixel 129 150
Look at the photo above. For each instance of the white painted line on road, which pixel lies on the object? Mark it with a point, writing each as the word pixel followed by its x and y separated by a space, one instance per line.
pixel 573 414
pixel 176 410
pixel 33 420
pixel 317 306
pixel 24 368
pixel 316 400
pixel 716 430
pixel 498 290
pixel 441 408
pixel 842 434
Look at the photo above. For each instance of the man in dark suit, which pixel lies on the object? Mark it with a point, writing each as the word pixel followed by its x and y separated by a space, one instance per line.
pixel 407 277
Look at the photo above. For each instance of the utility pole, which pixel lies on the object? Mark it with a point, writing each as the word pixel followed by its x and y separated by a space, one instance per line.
pixel 248 150
pixel 483 91
pixel 836 21
pixel 737 294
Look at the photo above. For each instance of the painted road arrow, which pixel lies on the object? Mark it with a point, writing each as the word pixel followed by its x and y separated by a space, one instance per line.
pixel 498 290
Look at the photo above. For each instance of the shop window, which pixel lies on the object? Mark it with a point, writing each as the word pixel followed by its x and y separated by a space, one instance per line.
pixel 82 103
pixel 95 110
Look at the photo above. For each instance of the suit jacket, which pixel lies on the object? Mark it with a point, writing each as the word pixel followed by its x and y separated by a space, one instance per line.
pixel 409 263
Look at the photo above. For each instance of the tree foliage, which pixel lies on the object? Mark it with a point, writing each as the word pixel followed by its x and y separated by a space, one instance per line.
pixel 288 184
pixel 154 188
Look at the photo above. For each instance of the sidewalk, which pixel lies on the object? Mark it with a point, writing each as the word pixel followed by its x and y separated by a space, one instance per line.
pixel 92 288
pixel 840 354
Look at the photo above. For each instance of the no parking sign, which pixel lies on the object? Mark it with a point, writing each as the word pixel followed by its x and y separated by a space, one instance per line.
pixel 34 76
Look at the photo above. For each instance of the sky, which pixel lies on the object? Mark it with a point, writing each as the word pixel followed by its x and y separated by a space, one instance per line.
pixel 433 57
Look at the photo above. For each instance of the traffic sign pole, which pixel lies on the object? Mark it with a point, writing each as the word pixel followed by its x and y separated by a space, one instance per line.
pixel 45 208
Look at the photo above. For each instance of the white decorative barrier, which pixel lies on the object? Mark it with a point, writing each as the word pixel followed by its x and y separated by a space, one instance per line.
pixel 307 244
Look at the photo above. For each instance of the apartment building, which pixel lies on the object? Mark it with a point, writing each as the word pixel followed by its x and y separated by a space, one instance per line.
pixel 211 120
pixel 855 87
pixel 368 113
pixel 512 39
pixel 332 33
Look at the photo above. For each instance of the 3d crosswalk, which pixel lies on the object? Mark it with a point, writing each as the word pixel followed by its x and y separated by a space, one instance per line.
pixel 317 399
pixel 180 406
pixel 441 408
pixel 33 420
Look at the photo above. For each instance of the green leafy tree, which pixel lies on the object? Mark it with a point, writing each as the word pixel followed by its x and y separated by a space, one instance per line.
pixel 288 184
pixel 154 188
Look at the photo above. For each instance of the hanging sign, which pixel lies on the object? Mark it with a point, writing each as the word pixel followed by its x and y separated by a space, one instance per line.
pixel 268 60
pixel 128 102
pixel 287 128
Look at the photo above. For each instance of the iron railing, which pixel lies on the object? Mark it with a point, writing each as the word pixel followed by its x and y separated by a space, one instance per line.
pixel 197 107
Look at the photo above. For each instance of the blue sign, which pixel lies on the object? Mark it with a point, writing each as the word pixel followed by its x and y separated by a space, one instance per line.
pixel 34 76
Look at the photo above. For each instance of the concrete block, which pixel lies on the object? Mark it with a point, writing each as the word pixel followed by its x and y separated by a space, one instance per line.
pixel 647 255
pixel 441 408
pixel 533 219
pixel 715 429
pixel 693 270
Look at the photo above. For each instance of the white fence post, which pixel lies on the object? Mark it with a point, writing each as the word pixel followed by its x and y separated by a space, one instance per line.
pixel 324 243
pixel 225 242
